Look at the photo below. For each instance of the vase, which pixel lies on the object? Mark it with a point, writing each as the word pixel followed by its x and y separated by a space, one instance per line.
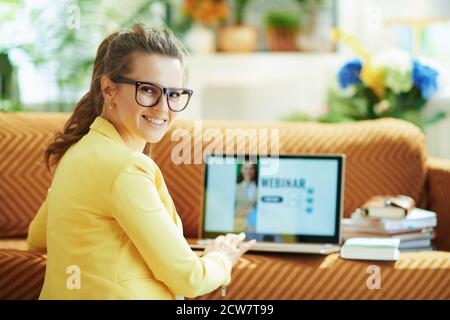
pixel 282 39
pixel 200 39
pixel 237 38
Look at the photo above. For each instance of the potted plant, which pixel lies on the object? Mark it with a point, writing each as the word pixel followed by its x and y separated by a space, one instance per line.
pixel 238 37
pixel 282 28
pixel 206 15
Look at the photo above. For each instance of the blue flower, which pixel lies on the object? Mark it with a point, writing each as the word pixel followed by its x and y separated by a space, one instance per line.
pixel 425 79
pixel 349 73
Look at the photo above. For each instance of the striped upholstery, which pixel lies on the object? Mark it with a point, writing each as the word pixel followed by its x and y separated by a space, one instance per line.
pixel 424 275
pixel 438 191
pixel 21 274
pixel 280 276
pixel 383 156
pixel 24 179
pixel 13 243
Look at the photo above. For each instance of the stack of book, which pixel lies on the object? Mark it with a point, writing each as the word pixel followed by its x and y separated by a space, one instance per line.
pixel 371 249
pixel 415 229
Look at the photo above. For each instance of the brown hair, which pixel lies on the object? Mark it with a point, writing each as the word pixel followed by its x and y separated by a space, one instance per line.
pixel 112 60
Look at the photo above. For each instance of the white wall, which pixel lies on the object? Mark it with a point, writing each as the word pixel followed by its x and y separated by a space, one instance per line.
pixel 259 86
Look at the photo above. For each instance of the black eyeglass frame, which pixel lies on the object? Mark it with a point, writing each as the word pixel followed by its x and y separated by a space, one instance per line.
pixel 164 91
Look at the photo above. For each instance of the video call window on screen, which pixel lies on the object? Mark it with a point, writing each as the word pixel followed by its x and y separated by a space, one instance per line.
pixel 298 198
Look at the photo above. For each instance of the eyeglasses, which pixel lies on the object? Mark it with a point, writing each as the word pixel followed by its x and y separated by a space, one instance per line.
pixel 149 94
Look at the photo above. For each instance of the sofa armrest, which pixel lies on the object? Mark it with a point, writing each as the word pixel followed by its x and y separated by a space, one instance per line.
pixel 438 195
pixel 21 274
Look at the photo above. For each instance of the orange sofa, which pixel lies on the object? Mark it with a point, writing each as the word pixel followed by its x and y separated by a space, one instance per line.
pixel 385 156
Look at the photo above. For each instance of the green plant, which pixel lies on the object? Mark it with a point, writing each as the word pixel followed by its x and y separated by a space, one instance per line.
pixel 326 118
pixel 282 20
pixel 68 49
pixel 311 4
pixel 8 105
pixel 9 92
pixel 6 73
pixel 239 11
pixel 298 116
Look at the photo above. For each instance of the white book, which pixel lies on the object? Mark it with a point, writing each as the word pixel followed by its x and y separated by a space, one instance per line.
pixel 416 219
pixel 385 249
pixel 426 233
pixel 411 244
pixel 386 212
pixel 430 248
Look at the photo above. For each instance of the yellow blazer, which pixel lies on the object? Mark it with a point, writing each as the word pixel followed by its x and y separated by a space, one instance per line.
pixel 111 229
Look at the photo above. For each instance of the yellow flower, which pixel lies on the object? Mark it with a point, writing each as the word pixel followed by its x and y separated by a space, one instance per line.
pixel 207 11
pixel 370 75
pixel 373 78
pixel 338 34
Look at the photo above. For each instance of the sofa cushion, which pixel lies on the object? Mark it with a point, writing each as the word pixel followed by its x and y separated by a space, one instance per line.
pixel 24 179
pixel 21 274
pixel 13 243
pixel 438 191
pixel 419 275
pixel 385 156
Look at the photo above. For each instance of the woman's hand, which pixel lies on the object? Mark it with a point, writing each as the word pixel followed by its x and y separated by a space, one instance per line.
pixel 232 245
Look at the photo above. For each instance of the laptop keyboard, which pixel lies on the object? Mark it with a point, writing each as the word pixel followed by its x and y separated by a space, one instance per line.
pixel 284 247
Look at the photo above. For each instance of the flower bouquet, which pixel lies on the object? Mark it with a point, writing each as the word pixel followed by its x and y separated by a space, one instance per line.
pixel 392 84
pixel 208 12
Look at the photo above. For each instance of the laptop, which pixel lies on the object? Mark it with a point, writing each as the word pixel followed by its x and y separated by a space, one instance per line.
pixel 288 203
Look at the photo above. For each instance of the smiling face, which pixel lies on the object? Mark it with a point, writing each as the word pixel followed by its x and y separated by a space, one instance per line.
pixel 248 172
pixel 136 124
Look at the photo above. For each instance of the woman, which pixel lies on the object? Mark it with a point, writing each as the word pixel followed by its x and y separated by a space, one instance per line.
pixel 246 198
pixel 108 215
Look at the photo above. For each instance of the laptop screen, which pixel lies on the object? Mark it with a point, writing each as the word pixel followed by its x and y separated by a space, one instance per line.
pixel 285 199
